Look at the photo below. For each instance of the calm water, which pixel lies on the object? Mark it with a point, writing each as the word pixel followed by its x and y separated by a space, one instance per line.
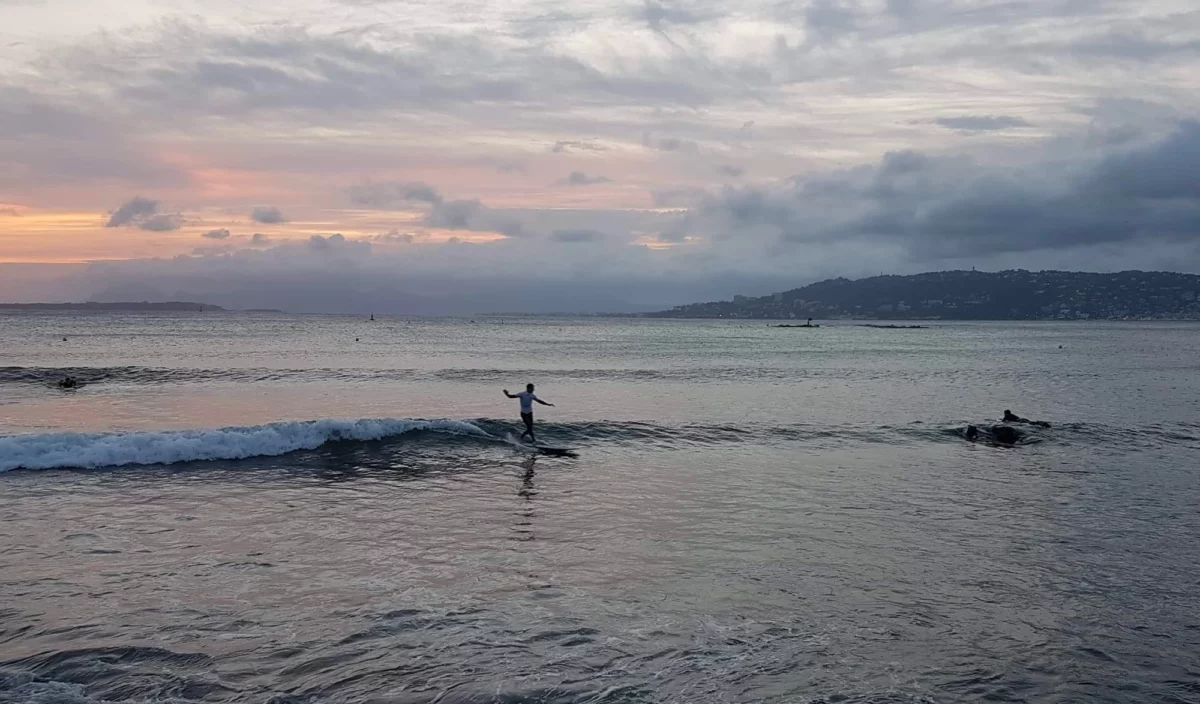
pixel 324 509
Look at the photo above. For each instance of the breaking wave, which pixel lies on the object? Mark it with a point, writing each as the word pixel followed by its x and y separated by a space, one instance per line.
pixel 92 450
pixel 117 449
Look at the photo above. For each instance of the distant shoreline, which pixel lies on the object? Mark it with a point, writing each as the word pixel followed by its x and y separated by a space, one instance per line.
pixel 129 307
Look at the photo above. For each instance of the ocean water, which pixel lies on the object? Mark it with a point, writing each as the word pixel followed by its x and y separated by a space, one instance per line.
pixel 271 508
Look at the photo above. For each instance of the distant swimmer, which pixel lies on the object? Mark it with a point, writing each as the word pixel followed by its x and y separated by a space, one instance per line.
pixel 527 399
pixel 68 382
pixel 1010 417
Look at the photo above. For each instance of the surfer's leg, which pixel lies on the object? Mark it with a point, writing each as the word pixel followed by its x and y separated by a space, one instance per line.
pixel 528 418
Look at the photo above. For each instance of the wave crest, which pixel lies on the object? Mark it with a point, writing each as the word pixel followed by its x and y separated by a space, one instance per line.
pixel 93 450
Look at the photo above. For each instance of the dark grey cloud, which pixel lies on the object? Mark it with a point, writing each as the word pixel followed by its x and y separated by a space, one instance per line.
pixel 461 214
pixel 940 207
pixel 576 236
pixel 133 212
pixel 337 244
pixel 221 234
pixel 579 178
pixel 267 215
pixel 981 123
pixel 259 240
pixel 163 222
pixel 473 215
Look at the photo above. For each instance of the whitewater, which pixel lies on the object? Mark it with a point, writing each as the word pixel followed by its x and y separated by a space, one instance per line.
pixel 94 450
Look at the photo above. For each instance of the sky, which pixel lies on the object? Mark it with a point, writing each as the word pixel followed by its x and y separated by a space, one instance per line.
pixel 424 157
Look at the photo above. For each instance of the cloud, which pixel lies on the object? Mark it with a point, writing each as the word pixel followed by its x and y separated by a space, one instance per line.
pixel 563 147
pixel 221 234
pixel 578 178
pixel 981 123
pixel 461 214
pixel 213 250
pixel 49 139
pixel 669 144
pixel 678 198
pixel 259 240
pixel 731 171
pixel 659 16
pixel 133 212
pixel 268 215
pixel 471 214
pixel 395 237
pixel 10 212
pixel 163 222
pixel 386 195
pixel 940 207
pixel 576 236
pixel 337 244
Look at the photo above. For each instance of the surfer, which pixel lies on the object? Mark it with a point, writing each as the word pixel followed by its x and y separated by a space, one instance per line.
pixel 997 434
pixel 1010 417
pixel 527 398
pixel 68 382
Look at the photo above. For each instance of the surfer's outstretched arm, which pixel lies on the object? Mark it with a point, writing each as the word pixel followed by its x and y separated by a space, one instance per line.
pixel 543 402
pixel 508 394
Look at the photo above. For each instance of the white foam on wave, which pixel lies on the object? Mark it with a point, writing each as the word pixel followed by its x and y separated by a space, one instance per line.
pixel 91 450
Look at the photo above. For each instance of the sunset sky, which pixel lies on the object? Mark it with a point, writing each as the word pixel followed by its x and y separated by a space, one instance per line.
pixel 335 154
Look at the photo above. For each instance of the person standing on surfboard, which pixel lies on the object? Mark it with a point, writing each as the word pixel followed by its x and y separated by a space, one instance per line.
pixel 527 399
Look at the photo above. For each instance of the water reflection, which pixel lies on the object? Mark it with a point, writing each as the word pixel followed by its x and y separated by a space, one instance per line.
pixel 523 525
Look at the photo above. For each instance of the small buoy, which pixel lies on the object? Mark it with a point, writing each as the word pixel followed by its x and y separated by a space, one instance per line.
pixel 356 339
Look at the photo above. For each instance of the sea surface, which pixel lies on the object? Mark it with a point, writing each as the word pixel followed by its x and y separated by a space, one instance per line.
pixel 288 509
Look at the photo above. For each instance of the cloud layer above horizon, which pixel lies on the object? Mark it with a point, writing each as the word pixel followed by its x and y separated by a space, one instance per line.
pixel 340 153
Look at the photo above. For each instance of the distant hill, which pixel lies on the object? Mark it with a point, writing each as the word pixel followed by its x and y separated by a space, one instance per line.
pixel 973 295
pixel 168 306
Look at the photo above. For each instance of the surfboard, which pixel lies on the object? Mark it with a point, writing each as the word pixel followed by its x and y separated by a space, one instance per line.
pixel 539 449
pixel 556 451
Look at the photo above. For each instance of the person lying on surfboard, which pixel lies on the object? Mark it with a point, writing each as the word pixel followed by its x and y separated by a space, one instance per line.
pixel 527 399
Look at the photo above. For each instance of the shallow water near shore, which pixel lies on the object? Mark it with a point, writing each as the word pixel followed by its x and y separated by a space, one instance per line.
pixel 265 508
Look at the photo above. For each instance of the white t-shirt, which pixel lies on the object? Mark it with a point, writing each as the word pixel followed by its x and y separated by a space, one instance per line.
pixel 527 399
